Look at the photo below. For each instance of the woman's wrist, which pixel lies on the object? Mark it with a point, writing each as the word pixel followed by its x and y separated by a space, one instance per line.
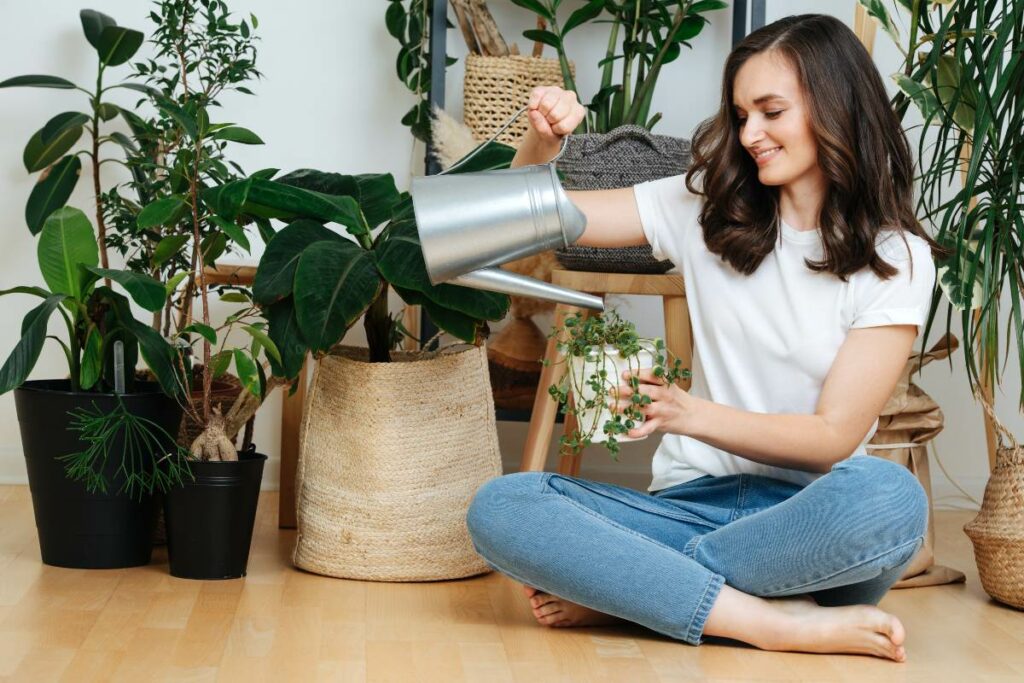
pixel 535 150
pixel 692 411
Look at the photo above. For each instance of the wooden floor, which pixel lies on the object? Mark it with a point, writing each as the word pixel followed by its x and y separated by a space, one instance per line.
pixel 280 624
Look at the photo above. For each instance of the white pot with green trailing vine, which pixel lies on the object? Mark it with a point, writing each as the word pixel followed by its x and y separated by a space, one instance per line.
pixel 598 350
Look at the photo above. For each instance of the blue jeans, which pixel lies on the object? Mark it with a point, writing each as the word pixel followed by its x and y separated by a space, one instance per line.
pixel 660 559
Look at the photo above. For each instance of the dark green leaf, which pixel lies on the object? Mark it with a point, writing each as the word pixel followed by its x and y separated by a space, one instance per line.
pixel 118 44
pixel 546 37
pixel 284 330
pixel 164 211
pixel 144 290
pixel 493 156
pixel 227 200
pixel 536 7
pixel 93 23
pixel 232 230
pixel 459 325
pixel 33 333
pixel 52 192
pixel 184 119
pixel 235 298
pixel 375 193
pixel 275 274
pixel 237 134
pixel 92 359
pixel 246 369
pixel 394 19
pixel 707 6
pixel 139 87
pixel 265 341
pixel 583 15
pixel 108 111
pixel 213 246
pixel 61 122
pixel 127 144
pixel 273 199
pixel 66 241
pixel 168 247
pixel 39 154
pixel 335 283
pixel 204 331
pixel 36 81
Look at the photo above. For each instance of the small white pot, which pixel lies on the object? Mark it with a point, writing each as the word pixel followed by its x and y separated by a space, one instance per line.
pixel 614 364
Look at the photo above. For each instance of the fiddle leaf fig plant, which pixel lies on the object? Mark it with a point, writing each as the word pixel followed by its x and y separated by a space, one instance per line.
pixel 597 349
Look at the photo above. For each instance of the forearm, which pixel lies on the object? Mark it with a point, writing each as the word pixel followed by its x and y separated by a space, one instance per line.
pixel 801 442
pixel 533 150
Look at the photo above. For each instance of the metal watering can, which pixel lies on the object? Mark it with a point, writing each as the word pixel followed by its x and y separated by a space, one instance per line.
pixel 473 222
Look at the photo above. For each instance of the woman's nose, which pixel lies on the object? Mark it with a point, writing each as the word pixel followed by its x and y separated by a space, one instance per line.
pixel 750 133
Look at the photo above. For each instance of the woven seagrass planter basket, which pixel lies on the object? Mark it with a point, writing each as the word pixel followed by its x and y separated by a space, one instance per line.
pixel 998 531
pixel 391 456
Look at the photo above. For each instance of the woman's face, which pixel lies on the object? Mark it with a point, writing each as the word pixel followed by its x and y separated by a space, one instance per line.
pixel 774 121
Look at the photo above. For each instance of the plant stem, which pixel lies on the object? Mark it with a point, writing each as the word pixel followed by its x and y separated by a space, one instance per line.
pixel 652 75
pixel 377 324
pixel 101 227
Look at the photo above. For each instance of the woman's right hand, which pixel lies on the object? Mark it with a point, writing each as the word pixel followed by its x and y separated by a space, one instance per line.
pixel 554 112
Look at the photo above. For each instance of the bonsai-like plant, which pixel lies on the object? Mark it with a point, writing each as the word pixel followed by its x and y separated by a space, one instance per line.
pixel 597 350
pixel 650 34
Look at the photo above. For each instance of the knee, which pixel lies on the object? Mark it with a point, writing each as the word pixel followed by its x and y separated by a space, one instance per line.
pixel 887 492
pixel 499 502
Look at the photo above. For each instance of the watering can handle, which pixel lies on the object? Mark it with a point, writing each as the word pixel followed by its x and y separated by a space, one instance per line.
pixel 494 137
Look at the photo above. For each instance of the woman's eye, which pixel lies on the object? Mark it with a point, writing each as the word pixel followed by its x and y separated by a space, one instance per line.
pixel 773 114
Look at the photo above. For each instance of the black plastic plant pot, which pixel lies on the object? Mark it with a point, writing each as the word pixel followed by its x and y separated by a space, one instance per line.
pixel 77 528
pixel 210 519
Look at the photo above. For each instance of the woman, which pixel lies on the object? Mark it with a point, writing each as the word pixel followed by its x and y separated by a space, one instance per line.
pixel 808 278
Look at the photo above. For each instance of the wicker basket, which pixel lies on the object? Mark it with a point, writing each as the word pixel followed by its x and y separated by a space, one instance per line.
pixel 391 456
pixel 624 157
pixel 998 531
pixel 495 88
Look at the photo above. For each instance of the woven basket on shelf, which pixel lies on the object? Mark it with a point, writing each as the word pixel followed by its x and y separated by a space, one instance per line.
pixel 390 457
pixel 495 88
pixel 998 531
pixel 621 158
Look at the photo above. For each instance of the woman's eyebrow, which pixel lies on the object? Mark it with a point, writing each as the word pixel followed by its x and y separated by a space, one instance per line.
pixel 762 99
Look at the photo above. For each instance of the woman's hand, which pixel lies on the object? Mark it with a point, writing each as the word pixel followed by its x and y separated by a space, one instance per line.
pixel 554 112
pixel 671 409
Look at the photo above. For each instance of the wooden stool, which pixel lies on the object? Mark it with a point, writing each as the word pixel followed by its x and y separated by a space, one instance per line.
pixel 678 340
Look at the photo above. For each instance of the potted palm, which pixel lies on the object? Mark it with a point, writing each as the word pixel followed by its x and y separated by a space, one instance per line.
pixel 598 349
pixel 100 426
pixel 963 72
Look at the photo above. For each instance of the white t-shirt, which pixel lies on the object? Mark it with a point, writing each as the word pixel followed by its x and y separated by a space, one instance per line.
pixel 765 342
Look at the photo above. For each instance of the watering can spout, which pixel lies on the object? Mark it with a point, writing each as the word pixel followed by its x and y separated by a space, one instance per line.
pixel 471 222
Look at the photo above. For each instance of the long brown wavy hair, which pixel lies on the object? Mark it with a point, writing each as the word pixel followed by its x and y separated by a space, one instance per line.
pixel 862 152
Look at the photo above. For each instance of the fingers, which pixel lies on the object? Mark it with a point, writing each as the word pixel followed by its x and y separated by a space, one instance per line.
pixel 554 112
pixel 645 375
pixel 649 426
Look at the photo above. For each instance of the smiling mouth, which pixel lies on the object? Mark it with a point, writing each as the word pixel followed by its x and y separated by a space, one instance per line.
pixel 766 155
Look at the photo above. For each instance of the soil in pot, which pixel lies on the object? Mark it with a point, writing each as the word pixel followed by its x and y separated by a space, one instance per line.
pixel 77 528
pixel 210 519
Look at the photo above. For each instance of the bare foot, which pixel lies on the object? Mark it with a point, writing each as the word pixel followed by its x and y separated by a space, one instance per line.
pixel 551 610
pixel 856 629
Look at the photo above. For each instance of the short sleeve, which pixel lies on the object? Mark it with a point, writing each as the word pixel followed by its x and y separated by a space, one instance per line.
pixel 669 213
pixel 903 299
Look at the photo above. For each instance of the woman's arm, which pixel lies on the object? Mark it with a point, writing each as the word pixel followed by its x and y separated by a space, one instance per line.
pixel 612 216
pixel 861 380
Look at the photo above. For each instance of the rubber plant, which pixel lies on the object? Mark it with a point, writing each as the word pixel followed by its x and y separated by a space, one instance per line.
pixel 596 350
pixel 644 36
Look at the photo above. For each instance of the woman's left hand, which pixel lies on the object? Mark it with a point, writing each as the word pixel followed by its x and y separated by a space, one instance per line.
pixel 670 409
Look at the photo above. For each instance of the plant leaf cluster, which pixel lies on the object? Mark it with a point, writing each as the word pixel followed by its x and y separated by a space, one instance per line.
pixel 964 72
pixel 644 35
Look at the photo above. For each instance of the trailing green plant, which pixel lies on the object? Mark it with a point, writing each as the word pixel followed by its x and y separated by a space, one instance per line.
pixel 644 36
pixel 133 439
pixel 594 340
pixel 964 71
pixel 408 22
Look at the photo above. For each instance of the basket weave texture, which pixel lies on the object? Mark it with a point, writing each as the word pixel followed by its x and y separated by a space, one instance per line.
pixel 621 158
pixel 495 88
pixel 391 456
pixel 998 531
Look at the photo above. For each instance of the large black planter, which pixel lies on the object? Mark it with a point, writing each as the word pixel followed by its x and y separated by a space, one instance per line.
pixel 77 528
pixel 210 520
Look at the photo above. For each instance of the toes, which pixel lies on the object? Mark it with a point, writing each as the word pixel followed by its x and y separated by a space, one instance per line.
pixel 530 591
pixel 544 610
pixel 881 646
pixel 897 634
pixel 542 599
pixel 552 619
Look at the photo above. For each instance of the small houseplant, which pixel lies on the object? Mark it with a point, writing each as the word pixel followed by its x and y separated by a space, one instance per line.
pixel 100 425
pixel 598 349
pixel 963 71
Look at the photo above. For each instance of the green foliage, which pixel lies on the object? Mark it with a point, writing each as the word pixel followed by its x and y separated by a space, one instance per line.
pixel 964 71
pixel 651 34
pixel 587 387
pixel 149 457
pixel 408 22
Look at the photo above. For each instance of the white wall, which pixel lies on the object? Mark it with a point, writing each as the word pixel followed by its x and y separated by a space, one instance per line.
pixel 330 99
